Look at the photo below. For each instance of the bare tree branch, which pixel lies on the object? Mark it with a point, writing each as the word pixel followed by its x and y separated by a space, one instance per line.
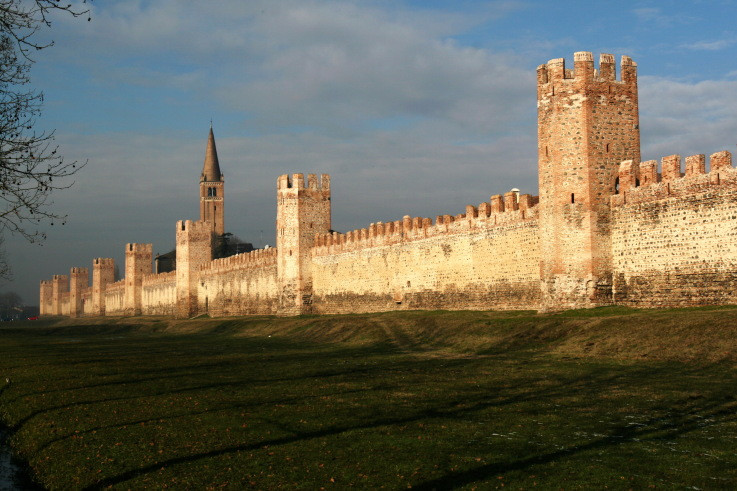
pixel 30 165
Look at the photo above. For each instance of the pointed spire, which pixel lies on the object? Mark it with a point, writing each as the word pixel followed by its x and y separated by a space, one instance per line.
pixel 211 169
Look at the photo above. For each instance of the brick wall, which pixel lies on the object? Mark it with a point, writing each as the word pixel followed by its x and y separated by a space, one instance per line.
pixel 674 237
pixel 240 285
pixel 159 295
pixel 483 259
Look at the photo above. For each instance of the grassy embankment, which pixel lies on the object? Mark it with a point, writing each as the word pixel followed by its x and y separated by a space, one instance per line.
pixel 584 399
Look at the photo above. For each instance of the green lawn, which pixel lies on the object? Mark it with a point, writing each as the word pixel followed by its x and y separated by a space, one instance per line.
pixel 433 400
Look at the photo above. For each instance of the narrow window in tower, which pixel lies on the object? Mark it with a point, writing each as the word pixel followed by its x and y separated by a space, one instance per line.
pixel 607 148
pixel 573 198
pixel 214 191
pixel 616 186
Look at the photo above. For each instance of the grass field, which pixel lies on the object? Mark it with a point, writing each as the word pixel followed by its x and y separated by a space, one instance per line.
pixel 611 398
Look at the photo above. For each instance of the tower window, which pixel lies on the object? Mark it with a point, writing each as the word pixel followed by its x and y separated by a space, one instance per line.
pixel 573 198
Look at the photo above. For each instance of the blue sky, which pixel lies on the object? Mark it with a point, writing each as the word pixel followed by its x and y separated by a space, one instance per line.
pixel 413 107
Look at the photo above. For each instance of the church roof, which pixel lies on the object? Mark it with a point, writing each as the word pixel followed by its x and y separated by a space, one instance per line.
pixel 211 169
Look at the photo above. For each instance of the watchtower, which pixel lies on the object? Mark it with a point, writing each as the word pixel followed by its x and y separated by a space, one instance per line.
pixel 138 261
pixel 194 249
pixel 59 286
pixel 212 189
pixel 588 122
pixel 79 281
pixel 301 213
pixel 103 272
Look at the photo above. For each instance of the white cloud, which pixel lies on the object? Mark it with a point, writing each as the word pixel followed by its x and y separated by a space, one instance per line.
pixel 687 118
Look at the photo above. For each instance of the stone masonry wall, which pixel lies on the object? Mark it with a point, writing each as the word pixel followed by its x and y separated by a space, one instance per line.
pixel 487 258
pixel 240 285
pixel 115 298
pixel 159 294
pixel 674 237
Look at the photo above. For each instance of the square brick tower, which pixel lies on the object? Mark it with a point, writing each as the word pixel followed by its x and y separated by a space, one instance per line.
pixel 588 122
pixel 212 189
pixel 301 213
pixel 59 286
pixel 46 298
pixel 78 282
pixel 194 250
pixel 103 272
pixel 138 262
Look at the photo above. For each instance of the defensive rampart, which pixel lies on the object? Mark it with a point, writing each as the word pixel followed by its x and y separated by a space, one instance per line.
pixel 241 284
pixel 485 258
pixel 673 233
pixel 115 298
pixel 159 296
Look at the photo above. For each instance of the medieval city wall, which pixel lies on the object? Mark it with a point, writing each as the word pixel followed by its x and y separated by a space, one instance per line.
pixel 242 284
pixel 159 294
pixel 115 298
pixel 674 236
pixel 487 258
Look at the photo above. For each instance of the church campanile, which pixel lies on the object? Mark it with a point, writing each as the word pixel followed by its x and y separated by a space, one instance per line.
pixel 212 189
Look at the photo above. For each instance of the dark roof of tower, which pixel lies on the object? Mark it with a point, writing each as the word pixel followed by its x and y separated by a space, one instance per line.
pixel 211 169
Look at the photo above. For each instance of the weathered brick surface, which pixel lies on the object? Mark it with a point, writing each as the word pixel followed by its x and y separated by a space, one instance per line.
pixel 103 273
pixel 240 285
pixel 159 294
pixel 78 284
pixel 115 298
pixel 469 261
pixel 302 211
pixel 194 250
pixel 674 243
pixel 587 124
pixel 138 263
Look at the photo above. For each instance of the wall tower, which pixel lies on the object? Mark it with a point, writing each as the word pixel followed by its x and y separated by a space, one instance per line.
pixel 59 286
pixel 194 249
pixel 79 279
pixel 46 301
pixel 103 272
pixel 301 213
pixel 588 123
pixel 212 189
pixel 138 260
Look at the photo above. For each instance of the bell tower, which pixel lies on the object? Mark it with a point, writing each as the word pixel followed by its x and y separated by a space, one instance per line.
pixel 212 189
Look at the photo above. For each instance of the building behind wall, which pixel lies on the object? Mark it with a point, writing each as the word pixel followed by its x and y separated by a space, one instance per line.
pixel 606 229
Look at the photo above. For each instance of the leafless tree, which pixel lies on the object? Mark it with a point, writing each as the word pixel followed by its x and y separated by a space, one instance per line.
pixel 31 167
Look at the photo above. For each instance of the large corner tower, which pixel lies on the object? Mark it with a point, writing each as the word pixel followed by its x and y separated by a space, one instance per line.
pixel 588 123
pixel 212 189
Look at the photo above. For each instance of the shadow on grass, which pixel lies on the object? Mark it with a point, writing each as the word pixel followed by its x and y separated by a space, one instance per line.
pixel 667 422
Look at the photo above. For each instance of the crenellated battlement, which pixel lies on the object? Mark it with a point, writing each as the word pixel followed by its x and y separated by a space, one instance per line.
pixel 103 261
pixel 159 279
pixel 506 209
pixel 254 259
pixel 296 182
pixel 139 248
pixel 641 182
pixel 555 71
pixel 79 271
pixel 192 227
pixel 117 287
